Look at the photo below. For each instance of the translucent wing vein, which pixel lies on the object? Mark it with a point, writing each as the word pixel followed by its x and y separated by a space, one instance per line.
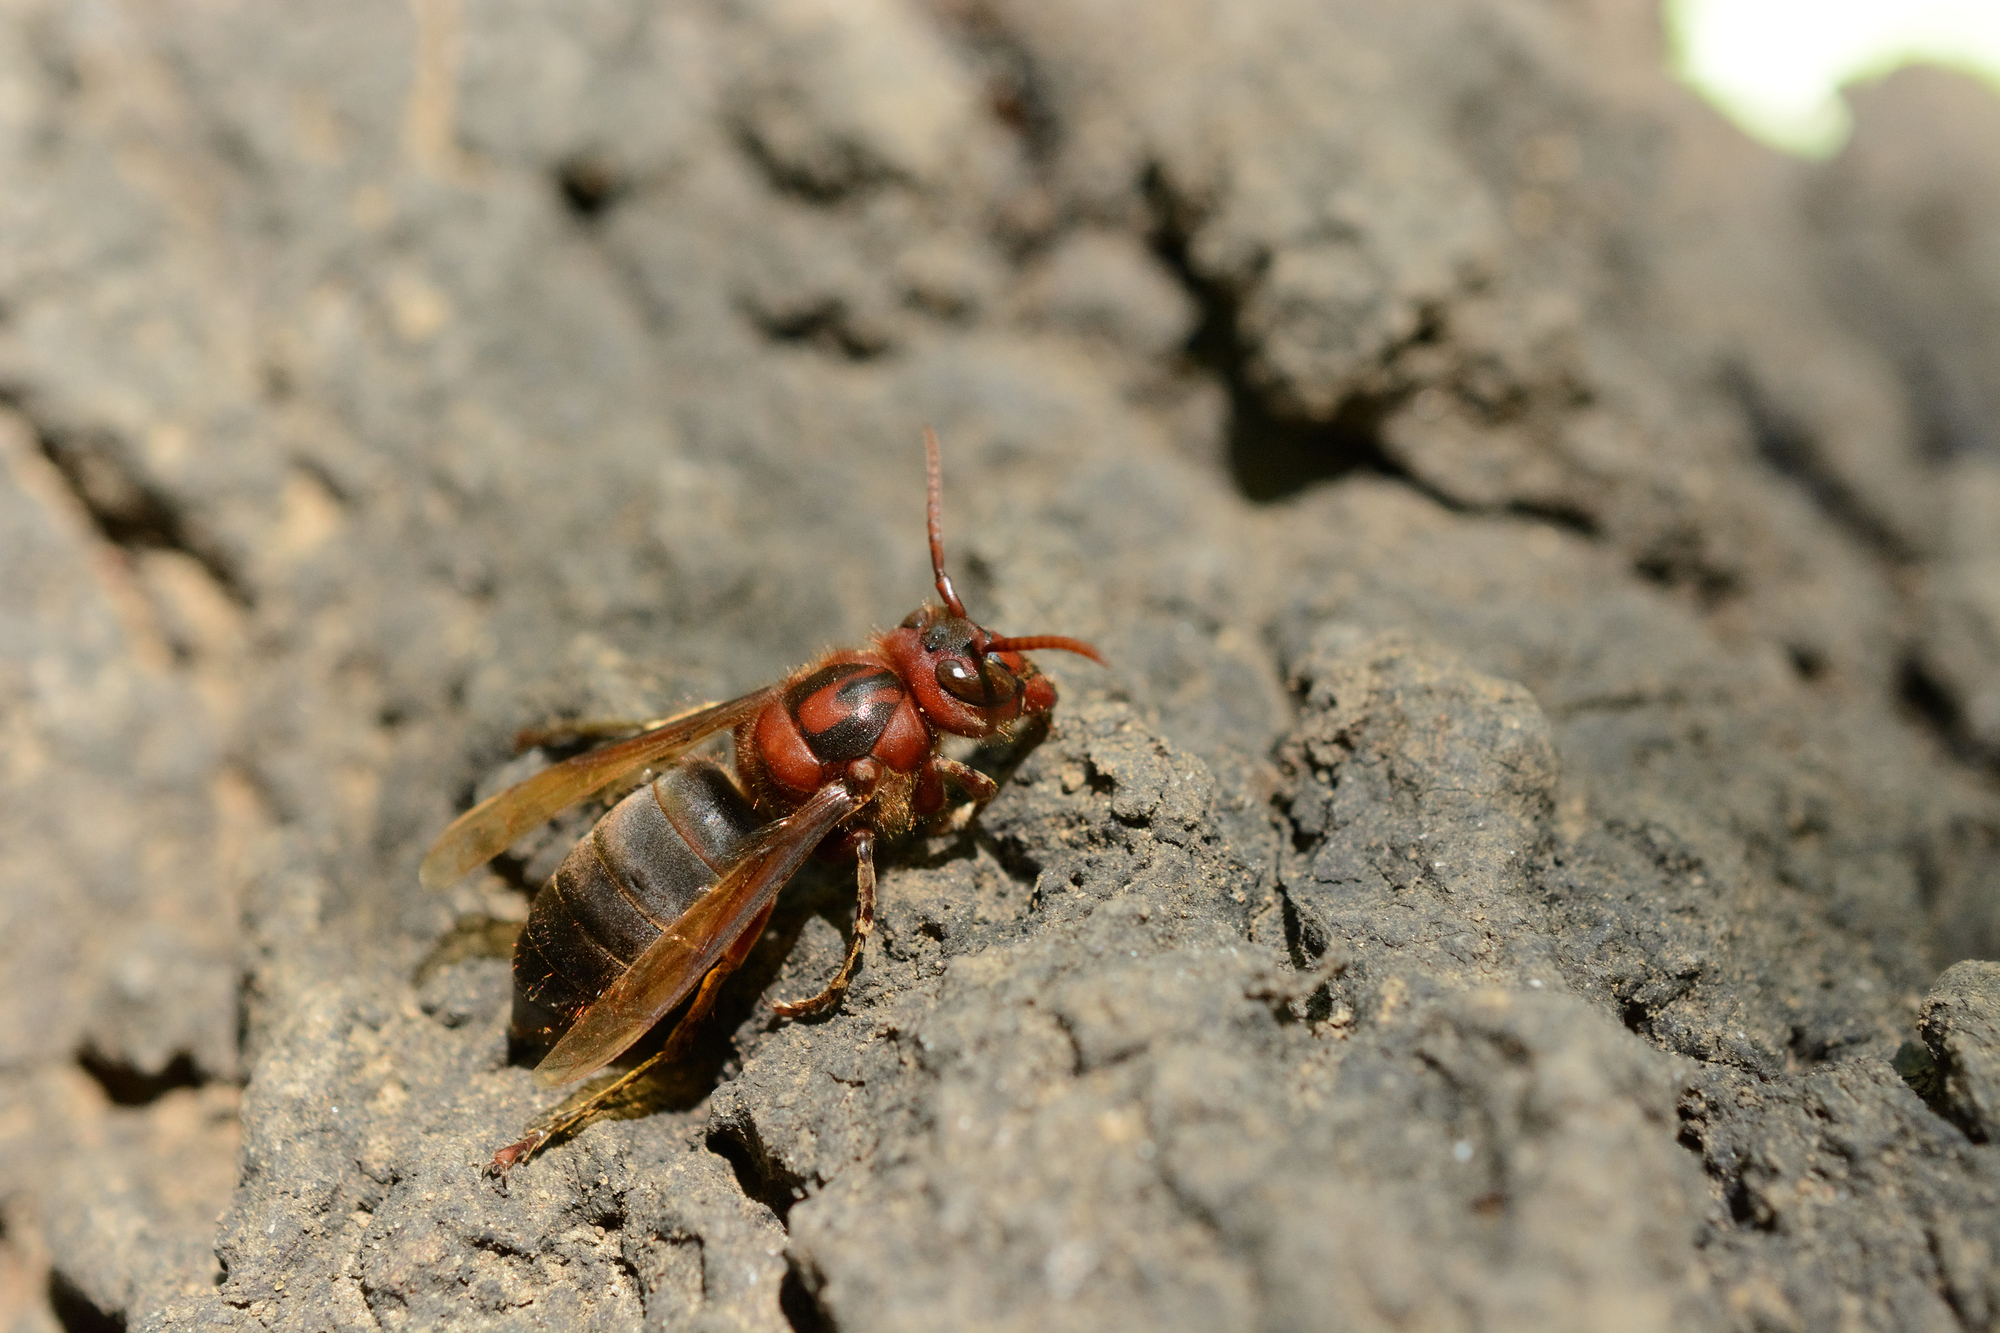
pixel 668 970
pixel 489 828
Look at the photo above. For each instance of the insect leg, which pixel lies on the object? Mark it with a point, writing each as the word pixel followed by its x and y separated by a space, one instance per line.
pixel 864 922
pixel 711 987
pixel 561 1119
pixel 977 787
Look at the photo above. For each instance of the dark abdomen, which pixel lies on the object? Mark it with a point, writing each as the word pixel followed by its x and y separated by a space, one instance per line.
pixel 642 865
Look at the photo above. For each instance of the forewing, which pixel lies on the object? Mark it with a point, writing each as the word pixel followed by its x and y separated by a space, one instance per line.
pixel 489 828
pixel 662 976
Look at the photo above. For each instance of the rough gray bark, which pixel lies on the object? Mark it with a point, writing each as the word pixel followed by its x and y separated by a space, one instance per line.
pixel 1545 546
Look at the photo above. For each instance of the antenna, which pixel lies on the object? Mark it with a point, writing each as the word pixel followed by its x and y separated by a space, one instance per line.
pixel 1061 642
pixel 936 469
pixel 982 642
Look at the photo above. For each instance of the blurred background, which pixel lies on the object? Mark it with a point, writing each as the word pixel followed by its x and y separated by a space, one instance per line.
pixel 1777 67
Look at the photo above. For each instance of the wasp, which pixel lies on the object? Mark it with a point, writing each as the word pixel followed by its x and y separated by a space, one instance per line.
pixel 669 891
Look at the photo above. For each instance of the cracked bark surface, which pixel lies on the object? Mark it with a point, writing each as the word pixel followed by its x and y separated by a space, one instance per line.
pixel 1544 544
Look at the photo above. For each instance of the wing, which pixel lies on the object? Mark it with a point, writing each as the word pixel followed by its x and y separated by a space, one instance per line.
pixel 489 828
pixel 662 976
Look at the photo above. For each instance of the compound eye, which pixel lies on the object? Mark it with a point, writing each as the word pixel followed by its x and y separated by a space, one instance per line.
pixel 962 680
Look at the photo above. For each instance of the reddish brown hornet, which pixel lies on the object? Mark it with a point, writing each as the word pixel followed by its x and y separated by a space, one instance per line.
pixel 669 891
